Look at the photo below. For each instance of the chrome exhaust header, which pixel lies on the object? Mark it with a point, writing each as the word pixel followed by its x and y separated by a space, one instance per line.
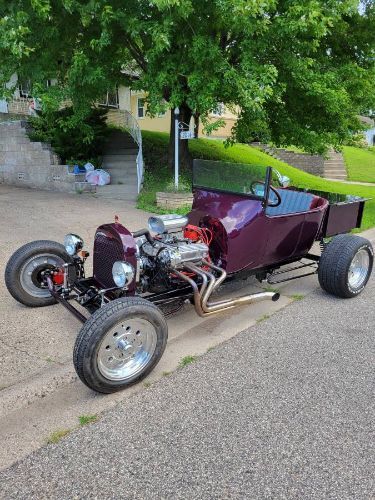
pixel 210 283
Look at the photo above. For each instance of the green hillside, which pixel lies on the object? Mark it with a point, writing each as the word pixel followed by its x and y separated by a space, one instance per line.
pixel 158 175
pixel 360 164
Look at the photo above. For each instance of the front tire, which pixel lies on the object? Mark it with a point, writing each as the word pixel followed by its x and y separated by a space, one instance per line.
pixel 345 266
pixel 120 344
pixel 23 272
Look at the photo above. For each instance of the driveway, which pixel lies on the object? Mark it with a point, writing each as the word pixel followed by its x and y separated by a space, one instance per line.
pixel 283 410
pixel 39 390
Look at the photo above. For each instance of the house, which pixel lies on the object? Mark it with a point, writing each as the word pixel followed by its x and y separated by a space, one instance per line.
pixel 120 100
pixel 126 99
pixel 369 133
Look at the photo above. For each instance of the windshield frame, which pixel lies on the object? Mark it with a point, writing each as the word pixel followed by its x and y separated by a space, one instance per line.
pixel 251 196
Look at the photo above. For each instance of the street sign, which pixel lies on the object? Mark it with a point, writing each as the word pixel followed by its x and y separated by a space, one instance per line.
pixel 186 134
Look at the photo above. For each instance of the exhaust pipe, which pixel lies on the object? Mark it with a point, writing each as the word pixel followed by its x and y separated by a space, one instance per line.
pixel 201 297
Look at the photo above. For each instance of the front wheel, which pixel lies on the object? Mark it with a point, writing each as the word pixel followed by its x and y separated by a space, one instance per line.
pixel 24 271
pixel 120 344
pixel 345 265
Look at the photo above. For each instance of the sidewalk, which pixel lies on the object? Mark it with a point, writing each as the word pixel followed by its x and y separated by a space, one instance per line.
pixel 357 183
pixel 283 410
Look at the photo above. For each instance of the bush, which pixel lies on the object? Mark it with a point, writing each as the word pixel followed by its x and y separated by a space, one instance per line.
pixel 74 140
pixel 356 140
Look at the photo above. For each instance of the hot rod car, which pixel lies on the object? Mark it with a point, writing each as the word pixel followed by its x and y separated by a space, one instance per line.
pixel 245 220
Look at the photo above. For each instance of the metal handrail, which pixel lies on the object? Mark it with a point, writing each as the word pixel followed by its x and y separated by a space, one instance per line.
pixel 132 126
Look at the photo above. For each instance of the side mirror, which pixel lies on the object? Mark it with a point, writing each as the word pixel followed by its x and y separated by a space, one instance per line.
pixel 284 181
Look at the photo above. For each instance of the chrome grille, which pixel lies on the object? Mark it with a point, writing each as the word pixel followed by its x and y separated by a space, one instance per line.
pixel 107 251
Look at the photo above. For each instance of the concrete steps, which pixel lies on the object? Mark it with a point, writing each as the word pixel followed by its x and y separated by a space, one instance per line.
pixel 120 161
pixel 313 164
pixel 334 166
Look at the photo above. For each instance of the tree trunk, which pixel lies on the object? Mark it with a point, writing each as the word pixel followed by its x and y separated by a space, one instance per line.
pixel 184 154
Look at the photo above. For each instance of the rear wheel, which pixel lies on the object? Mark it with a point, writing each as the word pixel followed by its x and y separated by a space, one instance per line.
pixel 120 344
pixel 24 271
pixel 345 265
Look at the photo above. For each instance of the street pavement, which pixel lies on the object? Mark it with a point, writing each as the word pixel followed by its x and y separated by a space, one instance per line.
pixel 284 410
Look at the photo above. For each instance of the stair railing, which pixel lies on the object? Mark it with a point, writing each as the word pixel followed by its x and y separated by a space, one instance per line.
pixel 134 130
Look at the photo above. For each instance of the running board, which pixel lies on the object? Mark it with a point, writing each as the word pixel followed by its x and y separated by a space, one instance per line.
pixel 313 265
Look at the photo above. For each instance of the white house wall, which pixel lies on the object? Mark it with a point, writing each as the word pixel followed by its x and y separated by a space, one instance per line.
pixel 370 136
pixel 124 98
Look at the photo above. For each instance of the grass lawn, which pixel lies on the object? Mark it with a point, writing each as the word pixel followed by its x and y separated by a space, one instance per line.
pixel 360 164
pixel 158 176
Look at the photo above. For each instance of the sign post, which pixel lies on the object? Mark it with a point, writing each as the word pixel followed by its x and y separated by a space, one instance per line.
pixel 176 145
pixel 180 132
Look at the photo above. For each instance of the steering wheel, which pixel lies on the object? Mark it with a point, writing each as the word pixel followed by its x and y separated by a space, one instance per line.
pixel 255 190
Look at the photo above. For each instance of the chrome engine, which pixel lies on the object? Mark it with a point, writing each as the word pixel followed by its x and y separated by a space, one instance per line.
pixel 169 247
pixel 175 253
pixel 168 250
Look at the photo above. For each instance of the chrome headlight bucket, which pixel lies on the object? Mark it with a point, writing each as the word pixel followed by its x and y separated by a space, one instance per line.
pixel 73 244
pixel 123 273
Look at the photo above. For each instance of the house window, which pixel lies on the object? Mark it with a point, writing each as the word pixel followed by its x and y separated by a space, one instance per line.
pixel 140 107
pixel 110 99
pixel 24 88
pixel 219 109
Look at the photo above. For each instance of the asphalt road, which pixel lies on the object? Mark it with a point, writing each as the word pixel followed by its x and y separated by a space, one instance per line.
pixel 283 410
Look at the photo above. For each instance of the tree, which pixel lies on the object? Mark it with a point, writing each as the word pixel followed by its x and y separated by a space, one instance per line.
pixel 297 72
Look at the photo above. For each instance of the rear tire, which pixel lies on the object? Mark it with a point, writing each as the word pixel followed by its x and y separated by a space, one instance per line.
pixel 120 344
pixel 23 271
pixel 345 266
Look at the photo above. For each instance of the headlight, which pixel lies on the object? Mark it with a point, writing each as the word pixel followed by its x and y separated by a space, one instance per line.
pixel 73 244
pixel 122 273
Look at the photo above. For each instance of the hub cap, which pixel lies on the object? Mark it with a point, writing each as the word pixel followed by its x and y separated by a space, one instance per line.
pixel 126 349
pixel 359 268
pixel 31 278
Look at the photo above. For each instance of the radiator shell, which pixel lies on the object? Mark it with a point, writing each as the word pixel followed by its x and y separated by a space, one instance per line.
pixel 113 242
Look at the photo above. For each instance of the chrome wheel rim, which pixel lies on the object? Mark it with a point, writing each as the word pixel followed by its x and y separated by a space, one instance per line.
pixel 30 274
pixel 359 268
pixel 126 349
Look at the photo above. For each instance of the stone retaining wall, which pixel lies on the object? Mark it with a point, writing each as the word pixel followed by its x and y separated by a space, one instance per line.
pixel 313 164
pixel 30 164
pixel 173 200
pixel 11 117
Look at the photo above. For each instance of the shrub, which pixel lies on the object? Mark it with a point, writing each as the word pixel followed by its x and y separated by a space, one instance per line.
pixel 357 140
pixel 74 140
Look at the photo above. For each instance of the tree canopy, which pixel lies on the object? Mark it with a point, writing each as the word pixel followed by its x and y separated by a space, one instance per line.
pixel 297 72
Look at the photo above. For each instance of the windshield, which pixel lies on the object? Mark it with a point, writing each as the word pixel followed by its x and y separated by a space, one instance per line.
pixel 236 178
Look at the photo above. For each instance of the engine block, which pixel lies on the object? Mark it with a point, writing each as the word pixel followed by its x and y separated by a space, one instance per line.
pixel 175 254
